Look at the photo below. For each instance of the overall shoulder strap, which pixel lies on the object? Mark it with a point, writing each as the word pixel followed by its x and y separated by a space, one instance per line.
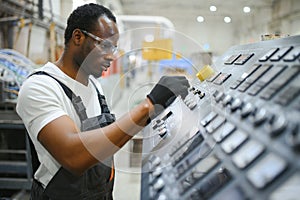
pixel 78 105
pixel 102 100
pixel 76 100
pixel 67 90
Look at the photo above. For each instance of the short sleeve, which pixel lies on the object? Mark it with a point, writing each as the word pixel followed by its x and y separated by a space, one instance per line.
pixel 39 102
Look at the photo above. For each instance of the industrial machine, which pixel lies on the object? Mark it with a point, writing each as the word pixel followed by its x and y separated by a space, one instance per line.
pixel 236 135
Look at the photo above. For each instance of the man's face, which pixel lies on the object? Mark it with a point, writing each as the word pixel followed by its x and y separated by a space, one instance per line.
pixel 100 47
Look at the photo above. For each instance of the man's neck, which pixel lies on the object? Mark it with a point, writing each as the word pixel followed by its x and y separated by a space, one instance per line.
pixel 72 69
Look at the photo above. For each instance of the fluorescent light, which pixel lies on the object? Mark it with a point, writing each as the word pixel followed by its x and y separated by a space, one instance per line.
pixel 246 9
pixel 213 8
pixel 227 19
pixel 200 19
pixel 149 38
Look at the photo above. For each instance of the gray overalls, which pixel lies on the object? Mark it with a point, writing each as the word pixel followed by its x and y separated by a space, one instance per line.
pixel 97 182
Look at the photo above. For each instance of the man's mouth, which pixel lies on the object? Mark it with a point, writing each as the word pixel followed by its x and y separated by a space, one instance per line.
pixel 105 67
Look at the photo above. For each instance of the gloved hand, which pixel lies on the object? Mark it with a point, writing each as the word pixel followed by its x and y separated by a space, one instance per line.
pixel 167 89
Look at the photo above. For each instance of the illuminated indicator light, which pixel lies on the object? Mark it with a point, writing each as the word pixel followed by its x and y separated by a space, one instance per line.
pixel 213 8
pixel 200 19
pixel 227 19
pixel 246 9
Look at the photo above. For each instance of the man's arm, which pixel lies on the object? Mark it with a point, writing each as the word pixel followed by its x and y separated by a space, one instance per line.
pixel 77 151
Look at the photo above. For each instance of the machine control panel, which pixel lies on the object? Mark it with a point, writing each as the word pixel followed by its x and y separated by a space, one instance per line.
pixel 236 135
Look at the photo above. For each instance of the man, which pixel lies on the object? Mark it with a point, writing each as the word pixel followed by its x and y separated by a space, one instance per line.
pixel 65 113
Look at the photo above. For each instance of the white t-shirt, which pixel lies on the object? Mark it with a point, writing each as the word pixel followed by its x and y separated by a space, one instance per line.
pixel 41 100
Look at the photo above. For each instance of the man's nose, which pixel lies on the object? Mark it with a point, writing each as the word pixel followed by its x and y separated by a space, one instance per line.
pixel 109 56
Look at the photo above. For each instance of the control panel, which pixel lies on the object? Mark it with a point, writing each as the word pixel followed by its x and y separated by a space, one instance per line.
pixel 237 133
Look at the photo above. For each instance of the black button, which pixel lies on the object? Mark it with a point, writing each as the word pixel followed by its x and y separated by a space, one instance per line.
pixel 162 132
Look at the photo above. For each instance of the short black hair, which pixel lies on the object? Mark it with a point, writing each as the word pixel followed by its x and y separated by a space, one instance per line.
pixel 84 17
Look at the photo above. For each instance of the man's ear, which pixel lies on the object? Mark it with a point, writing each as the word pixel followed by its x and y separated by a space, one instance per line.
pixel 77 37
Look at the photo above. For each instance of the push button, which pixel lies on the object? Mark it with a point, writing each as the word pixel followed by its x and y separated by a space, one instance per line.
pixel 266 79
pixel 247 154
pixel 157 172
pixel 280 54
pixel 211 79
pixel 204 166
pixel 162 132
pixel 268 55
pixel 287 190
pixel 243 59
pixel 221 78
pixel 276 125
pixel 216 123
pixel 266 170
pixel 214 183
pixel 254 77
pixel 245 75
pixel 223 132
pixel 208 118
pixel 219 96
pixel 227 100
pixel 247 109
pixel 154 161
pixel 231 59
pixel 280 82
pixel 159 184
pixel 234 141
pixel 236 104
pixel 162 197
pixel 260 117
pixel 288 95
pixel 293 55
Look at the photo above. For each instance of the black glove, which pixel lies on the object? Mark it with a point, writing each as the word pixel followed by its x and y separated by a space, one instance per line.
pixel 167 89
